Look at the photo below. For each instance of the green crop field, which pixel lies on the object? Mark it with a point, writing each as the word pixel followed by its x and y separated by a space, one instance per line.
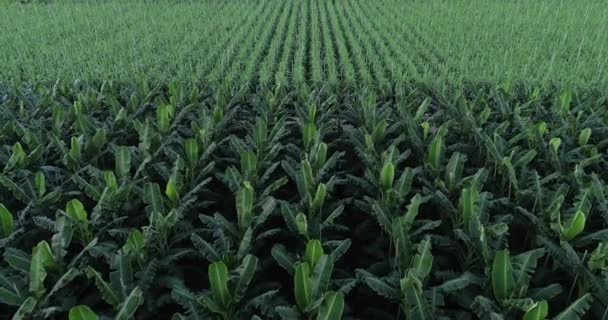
pixel 303 159
pixel 295 42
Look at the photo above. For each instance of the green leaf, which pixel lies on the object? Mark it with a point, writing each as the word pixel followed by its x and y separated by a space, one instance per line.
pixel 314 251
pixel 246 273
pixel 206 249
pixel 412 210
pixel 340 250
pixel 163 117
pixel 6 222
pixel 422 109
pixel 122 161
pixel 302 285
pixel 319 198
pixel 135 242
pixel 17 259
pixel 47 255
pixel 524 265
pixel 387 175
pixel 577 225
pixel 469 202
pixel 503 282
pixel 577 309
pixel 332 307
pixel 171 190
pixel 584 136
pixel 130 304
pixel 110 180
pixel 457 284
pixel 381 287
pixel 321 275
pixel 210 304
pixel 10 291
pixel 415 301
pixel 302 224
pixel 539 311
pixel 107 292
pixel 565 99
pixel 321 156
pixel 244 205
pixel 555 143
pixel 423 261
pixel 17 157
pixel 191 150
pixel 282 257
pixel 82 312
pixel 37 273
pixel 309 132
pixel 39 180
pixel 245 244
pixel 17 191
pixel 153 198
pixel 75 209
pixel 121 277
pixel 307 177
pixel 288 313
pixel 64 280
pixel 249 163
pixel 26 308
pixel 436 148
pixel 218 280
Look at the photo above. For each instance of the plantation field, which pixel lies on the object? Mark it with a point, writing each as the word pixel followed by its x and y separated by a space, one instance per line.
pixel 353 43
pixel 303 160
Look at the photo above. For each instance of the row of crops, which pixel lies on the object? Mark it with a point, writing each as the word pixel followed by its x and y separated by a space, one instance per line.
pixel 181 202
pixel 298 43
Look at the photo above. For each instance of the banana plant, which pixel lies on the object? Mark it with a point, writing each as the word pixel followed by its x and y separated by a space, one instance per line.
pixel 24 283
pixel 232 293
pixel 257 153
pixel 120 292
pixel 407 287
pixel 312 278
pixel 511 279
pixel 315 182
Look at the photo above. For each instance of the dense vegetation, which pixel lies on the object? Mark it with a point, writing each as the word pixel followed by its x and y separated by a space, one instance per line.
pixel 303 160
pixel 410 205
pixel 351 42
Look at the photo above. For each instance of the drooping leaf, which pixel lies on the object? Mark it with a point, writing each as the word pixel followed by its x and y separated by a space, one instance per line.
pixel 246 273
pixel 108 294
pixel 129 306
pixel 26 308
pixel 205 248
pixel 17 259
pixel 577 309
